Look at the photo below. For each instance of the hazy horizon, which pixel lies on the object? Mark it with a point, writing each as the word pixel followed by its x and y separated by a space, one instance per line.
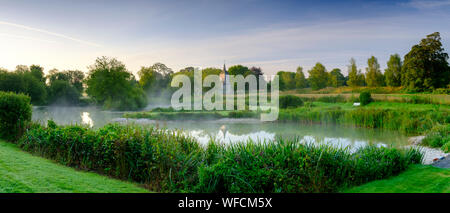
pixel 272 35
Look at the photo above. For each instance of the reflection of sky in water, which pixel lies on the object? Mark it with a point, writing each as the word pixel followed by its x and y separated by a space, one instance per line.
pixel 229 130
pixel 226 137
pixel 262 136
pixel 86 119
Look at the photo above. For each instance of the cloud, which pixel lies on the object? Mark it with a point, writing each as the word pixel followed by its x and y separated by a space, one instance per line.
pixel 427 4
pixel 50 33
pixel 25 38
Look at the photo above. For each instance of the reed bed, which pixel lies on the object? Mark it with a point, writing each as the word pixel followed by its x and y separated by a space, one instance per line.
pixel 166 161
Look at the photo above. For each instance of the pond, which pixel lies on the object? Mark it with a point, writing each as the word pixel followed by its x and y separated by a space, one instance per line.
pixel 230 130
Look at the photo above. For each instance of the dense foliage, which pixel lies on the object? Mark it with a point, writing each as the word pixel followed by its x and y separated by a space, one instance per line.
pixel 169 162
pixel 290 101
pixel 22 80
pixel 365 98
pixel 15 113
pixel 438 137
pixel 426 67
pixel 318 77
pixel 374 77
pixel 393 73
pixel 111 85
pixel 409 121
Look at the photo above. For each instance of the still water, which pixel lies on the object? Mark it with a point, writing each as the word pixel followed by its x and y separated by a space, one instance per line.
pixel 229 130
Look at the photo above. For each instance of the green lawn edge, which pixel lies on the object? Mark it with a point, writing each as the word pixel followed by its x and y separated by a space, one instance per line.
pixel 21 172
pixel 417 179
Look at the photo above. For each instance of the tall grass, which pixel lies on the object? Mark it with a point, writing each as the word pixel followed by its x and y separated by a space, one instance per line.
pixel 404 120
pixel 167 161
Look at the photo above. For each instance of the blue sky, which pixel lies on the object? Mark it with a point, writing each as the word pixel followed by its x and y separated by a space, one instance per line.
pixel 274 35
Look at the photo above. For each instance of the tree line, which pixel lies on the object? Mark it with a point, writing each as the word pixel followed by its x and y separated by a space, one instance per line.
pixel 108 82
pixel 424 68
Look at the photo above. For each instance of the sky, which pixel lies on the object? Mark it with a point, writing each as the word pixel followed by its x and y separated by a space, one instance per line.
pixel 273 35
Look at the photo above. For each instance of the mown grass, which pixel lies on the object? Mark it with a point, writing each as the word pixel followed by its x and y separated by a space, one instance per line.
pixel 417 179
pixel 22 172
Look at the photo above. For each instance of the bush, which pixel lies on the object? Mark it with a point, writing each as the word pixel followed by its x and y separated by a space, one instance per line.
pixel 365 98
pixel 290 101
pixel 15 113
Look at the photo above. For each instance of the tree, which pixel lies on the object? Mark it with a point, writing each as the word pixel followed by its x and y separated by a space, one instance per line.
pixel 238 70
pixel 336 78
pixel 374 77
pixel 300 80
pixel 257 71
pixel 22 81
pixel 156 79
pixel 286 80
pixel 38 72
pixel 318 77
pixel 63 93
pixel 162 69
pixel 355 78
pixel 110 84
pixel 74 77
pixel 425 67
pixel 393 71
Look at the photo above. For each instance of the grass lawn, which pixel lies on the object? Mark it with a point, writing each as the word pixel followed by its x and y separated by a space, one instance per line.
pixel 417 179
pixel 21 172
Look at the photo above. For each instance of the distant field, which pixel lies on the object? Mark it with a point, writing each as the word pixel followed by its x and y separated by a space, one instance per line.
pixel 21 172
pixel 418 179
pixel 434 98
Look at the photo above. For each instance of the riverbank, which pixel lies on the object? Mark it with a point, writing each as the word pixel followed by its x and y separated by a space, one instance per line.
pixel 165 161
pixel 22 172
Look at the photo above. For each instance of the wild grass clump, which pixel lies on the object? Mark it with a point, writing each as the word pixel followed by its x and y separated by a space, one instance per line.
pixel 15 114
pixel 288 166
pixel 408 121
pixel 163 161
pixel 290 101
pixel 437 137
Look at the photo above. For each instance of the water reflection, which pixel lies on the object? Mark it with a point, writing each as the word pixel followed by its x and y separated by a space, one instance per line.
pixel 229 130
pixel 86 119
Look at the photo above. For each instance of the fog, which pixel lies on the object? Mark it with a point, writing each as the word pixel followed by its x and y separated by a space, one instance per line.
pixel 227 130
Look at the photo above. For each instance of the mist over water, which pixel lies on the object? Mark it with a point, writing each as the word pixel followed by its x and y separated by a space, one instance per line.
pixel 228 130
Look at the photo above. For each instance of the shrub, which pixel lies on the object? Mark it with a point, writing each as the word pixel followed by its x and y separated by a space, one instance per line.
pixel 365 98
pixel 290 101
pixel 15 113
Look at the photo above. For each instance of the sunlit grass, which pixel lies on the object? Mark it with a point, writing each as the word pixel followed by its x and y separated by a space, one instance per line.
pixel 417 179
pixel 21 172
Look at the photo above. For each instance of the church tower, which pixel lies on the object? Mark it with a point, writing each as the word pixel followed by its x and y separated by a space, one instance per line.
pixel 224 76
